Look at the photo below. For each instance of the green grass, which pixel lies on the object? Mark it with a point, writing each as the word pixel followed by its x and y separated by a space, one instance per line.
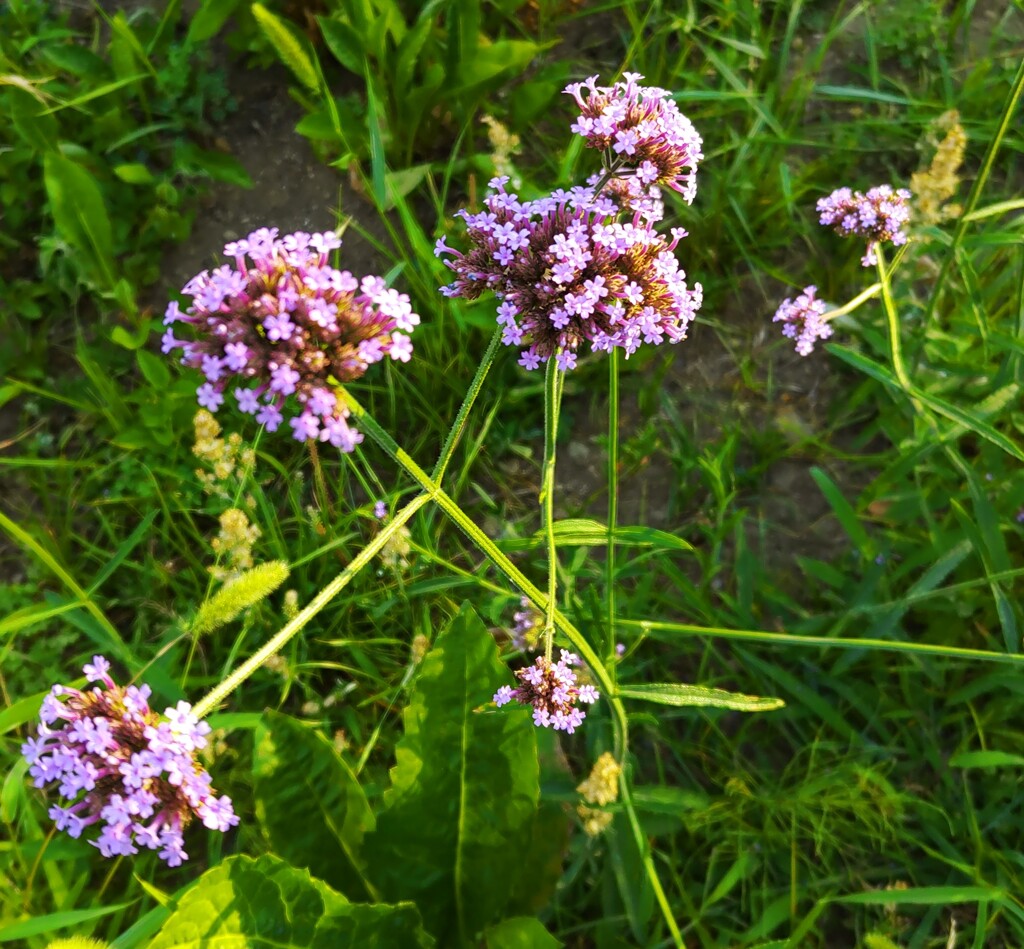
pixel 849 534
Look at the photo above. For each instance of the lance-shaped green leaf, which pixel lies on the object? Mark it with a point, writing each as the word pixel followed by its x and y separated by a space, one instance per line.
pixel 310 804
pixel 267 904
pixel 461 808
pixel 677 693
pixel 80 215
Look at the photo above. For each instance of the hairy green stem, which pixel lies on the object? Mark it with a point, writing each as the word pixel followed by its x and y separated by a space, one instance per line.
pixel 893 324
pixel 613 502
pixel 459 426
pixel 553 381
pixel 212 699
pixel 515 576
pixel 854 303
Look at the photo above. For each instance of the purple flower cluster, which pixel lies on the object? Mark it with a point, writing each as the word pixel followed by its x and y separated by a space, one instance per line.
pixel 528 626
pixel 641 132
pixel 283 322
pixel 878 215
pixel 566 271
pixel 123 767
pixel 803 320
pixel 552 690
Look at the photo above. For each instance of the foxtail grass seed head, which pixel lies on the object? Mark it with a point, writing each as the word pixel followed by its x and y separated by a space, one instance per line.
pixel 803 319
pixel 123 769
pixel 879 215
pixel 78 942
pixel 640 131
pixel 278 327
pixel 567 272
pixel 238 594
pixel 553 691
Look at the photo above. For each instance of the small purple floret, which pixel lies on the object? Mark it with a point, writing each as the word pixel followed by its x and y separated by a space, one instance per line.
pixel 879 215
pixel 288 326
pixel 124 768
pixel 552 690
pixel 802 319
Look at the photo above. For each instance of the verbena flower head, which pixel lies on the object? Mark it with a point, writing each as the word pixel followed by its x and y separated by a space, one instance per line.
pixel 641 131
pixel 123 768
pixel 552 690
pixel 279 327
pixel 528 626
pixel 878 216
pixel 802 319
pixel 567 272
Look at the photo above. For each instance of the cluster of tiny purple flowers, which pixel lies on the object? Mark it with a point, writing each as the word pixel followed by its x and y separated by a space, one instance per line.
pixel 552 690
pixel 879 215
pixel 640 131
pixel 565 269
pixel 527 625
pixel 124 768
pixel 283 322
pixel 803 320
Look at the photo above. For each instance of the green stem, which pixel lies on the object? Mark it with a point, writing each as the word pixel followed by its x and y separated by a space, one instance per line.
pixel 553 381
pixel 854 303
pixel 613 500
pixel 212 699
pixel 487 547
pixel 893 322
pixel 455 432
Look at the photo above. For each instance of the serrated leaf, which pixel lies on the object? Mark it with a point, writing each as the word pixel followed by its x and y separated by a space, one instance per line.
pixel 310 804
pixel 520 932
pixel 681 694
pixel 267 904
pixel 464 791
pixel 291 50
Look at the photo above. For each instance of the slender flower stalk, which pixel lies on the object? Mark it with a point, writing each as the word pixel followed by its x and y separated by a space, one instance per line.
pixel 553 383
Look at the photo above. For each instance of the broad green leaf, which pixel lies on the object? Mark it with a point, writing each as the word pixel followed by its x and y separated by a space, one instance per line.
pixel 80 215
pixel 986 759
pixel 209 18
pixel 520 932
pixel 267 904
pixel 678 693
pixel 290 48
pixel 464 790
pixel 310 804
pixel 491 61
